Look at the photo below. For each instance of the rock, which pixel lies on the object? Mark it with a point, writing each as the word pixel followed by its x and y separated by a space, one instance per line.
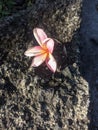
pixel 89 54
pixel 35 98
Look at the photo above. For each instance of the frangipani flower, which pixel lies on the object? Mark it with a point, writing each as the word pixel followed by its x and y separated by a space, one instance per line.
pixel 43 52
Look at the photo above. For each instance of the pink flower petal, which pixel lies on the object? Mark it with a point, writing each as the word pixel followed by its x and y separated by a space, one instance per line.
pixel 50 44
pixel 34 51
pixel 38 60
pixel 40 35
pixel 51 63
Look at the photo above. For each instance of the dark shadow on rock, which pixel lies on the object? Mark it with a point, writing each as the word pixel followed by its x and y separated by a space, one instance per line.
pixel 89 60
pixel 7 85
pixel 89 72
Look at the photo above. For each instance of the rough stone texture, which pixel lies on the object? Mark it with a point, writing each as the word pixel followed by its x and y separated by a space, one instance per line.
pixel 34 98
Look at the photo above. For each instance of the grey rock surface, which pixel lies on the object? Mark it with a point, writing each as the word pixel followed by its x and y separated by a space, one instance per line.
pixel 34 98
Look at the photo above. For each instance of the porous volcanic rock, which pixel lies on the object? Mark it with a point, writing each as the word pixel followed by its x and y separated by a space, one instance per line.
pixel 35 98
